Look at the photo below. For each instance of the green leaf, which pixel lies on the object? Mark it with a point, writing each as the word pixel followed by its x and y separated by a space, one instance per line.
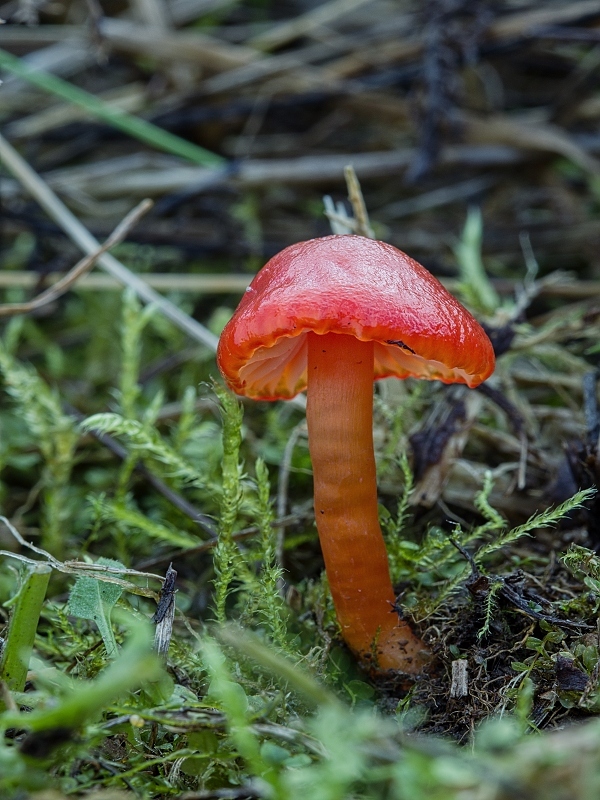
pixel 475 286
pixel 274 754
pixel 93 598
pixel 533 643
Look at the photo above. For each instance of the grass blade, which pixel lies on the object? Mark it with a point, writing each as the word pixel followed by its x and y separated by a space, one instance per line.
pixel 128 123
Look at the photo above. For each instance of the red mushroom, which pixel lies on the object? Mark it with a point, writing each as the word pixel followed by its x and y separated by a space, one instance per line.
pixel 331 315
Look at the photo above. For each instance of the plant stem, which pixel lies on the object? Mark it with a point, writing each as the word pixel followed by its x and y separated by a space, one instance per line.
pixel 340 435
pixel 23 625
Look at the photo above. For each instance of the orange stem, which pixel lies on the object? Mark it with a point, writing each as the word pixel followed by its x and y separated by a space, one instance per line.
pixel 340 427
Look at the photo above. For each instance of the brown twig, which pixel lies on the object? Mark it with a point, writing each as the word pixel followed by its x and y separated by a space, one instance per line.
pixel 85 265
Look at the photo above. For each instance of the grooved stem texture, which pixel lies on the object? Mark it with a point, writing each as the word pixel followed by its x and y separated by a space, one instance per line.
pixel 340 429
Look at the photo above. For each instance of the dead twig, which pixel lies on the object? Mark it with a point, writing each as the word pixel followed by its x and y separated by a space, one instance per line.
pixel 100 571
pixel 59 212
pixel 85 265
pixel 165 614
pixel 357 201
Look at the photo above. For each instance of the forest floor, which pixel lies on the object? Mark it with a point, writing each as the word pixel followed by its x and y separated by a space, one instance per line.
pixel 129 477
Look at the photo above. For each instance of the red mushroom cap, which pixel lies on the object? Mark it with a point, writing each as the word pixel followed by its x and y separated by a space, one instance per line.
pixel 349 285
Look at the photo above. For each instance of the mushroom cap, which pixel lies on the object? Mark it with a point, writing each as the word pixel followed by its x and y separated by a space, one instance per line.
pixel 355 286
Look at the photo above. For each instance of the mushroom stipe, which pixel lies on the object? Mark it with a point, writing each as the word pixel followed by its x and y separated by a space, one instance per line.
pixel 347 310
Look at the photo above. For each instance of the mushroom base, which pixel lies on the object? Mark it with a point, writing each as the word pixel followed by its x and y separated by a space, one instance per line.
pixel 340 430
